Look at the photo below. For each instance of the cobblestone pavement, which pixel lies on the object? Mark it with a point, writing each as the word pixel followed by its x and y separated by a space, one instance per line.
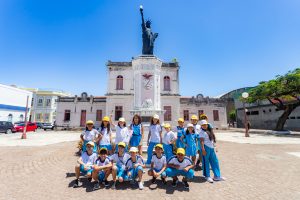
pixel 253 172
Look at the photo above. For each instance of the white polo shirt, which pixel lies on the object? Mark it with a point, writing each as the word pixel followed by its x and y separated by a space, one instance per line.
pixel 186 162
pixel 129 163
pixel 155 133
pixel 105 137
pixel 90 135
pixel 99 162
pixel 119 160
pixel 158 163
pixel 88 159
pixel 122 135
pixel 207 141
pixel 168 137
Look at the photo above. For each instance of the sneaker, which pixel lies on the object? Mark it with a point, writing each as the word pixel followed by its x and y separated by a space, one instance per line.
pixel 219 179
pixel 208 179
pixel 76 184
pixel 174 183
pixel 132 181
pixel 141 186
pixel 106 183
pixel 186 185
pixel 96 185
pixel 153 180
pixel 114 185
pixel 164 181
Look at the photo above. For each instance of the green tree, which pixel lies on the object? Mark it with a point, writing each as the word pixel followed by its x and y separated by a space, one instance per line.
pixel 232 116
pixel 283 92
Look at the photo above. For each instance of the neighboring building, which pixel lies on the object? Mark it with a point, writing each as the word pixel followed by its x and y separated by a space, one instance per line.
pixel 144 86
pixel 13 103
pixel 261 114
pixel 44 104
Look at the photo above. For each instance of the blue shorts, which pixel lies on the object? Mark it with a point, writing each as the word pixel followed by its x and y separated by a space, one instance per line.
pixel 101 175
pixel 108 147
pixel 135 140
pixel 171 172
pixel 158 170
pixel 85 171
pixel 121 172
pixel 134 172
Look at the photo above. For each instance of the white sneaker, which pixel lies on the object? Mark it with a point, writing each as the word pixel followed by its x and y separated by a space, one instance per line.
pixel 208 179
pixel 141 186
pixel 219 179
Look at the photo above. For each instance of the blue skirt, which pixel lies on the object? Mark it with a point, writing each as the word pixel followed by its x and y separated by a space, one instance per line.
pixel 135 140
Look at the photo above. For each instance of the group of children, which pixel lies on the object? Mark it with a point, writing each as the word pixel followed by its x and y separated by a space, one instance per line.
pixel 127 164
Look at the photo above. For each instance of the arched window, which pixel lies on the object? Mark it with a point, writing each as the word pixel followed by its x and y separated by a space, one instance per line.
pixel 167 83
pixel 119 82
pixel 10 117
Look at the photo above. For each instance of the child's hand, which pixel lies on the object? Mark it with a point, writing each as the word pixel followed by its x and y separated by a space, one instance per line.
pixel 135 165
pixel 203 152
pixel 177 166
pixel 155 174
pixel 186 169
pixel 216 149
pixel 129 174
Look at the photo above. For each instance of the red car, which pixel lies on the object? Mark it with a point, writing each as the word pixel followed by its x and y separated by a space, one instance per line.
pixel 30 127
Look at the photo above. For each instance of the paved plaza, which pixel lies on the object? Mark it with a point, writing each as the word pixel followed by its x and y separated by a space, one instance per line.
pixel 42 167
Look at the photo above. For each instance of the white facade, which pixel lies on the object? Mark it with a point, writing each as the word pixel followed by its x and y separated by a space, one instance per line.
pixel 144 86
pixel 13 103
pixel 44 104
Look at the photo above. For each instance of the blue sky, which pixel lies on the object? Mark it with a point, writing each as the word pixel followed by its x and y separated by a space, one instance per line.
pixel 220 45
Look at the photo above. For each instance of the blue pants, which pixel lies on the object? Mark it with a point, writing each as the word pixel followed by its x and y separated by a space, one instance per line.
pixel 150 151
pixel 168 149
pixel 89 171
pixel 108 147
pixel 210 159
pixel 116 148
pixel 158 170
pixel 134 172
pixel 171 172
pixel 135 140
pixel 84 146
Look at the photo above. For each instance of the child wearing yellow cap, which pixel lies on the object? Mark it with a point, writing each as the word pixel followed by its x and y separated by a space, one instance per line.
pixel 180 133
pixel 102 169
pixel 180 165
pixel 105 135
pixel 85 163
pixel 168 140
pixel 158 164
pixel 118 164
pixel 191 142
pixel 154 136
pixel 90 134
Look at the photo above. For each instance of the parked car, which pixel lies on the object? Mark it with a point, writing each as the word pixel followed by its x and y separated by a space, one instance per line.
pixel 39 124
pixel 7 127
pixel 30 127
pixel 48 126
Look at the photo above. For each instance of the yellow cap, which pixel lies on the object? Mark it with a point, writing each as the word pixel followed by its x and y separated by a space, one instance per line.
pixel 203 116
pixel 105 118
pixel 90 143
pixel 167 125
pixel 180 151
pixel 89 122
pixel 194 117
pixel 159 145
pixel 180 120
pixel 122 144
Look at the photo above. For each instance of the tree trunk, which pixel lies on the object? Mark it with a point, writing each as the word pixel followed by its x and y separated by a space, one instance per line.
pixel 287 111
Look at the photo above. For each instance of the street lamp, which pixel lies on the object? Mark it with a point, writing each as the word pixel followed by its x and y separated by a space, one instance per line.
pixel 245 95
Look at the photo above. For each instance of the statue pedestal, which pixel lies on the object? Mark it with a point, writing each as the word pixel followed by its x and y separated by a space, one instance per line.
pixel 146 69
